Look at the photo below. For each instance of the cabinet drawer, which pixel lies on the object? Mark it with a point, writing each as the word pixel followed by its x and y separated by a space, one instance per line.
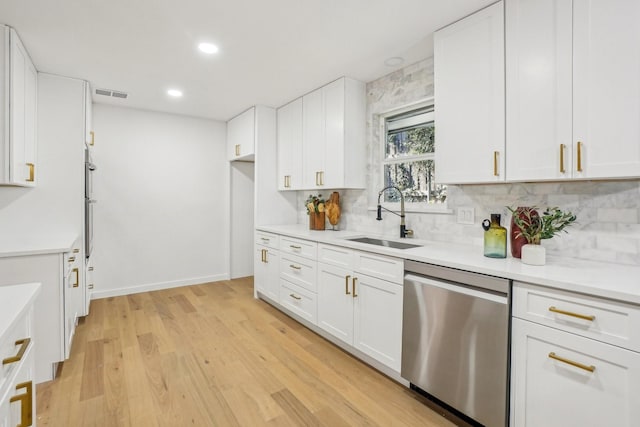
pixel 380 266
pixel 300 247
pixel 612 322
pixel 267 239
pixel 299 300
pixel 14 345
pixel 561 379
pixel 298 270
pixel 335 255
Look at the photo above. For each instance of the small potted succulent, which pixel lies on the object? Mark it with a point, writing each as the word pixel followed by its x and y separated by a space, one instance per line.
pixel 535 226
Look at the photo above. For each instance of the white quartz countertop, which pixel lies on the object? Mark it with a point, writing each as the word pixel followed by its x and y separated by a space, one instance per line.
pixel 614 281
pixel 36 244
pixel 14 300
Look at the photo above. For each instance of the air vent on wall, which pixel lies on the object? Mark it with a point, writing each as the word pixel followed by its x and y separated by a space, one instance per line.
pixel 112 93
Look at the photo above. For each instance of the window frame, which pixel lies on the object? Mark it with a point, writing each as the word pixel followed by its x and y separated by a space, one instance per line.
pixel 382 142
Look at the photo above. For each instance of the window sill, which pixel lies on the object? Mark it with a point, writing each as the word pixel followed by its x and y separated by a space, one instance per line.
pixel 411 208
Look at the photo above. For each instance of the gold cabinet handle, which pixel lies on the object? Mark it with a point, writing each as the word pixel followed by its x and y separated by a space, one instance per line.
pixel 264 239
pixel 295 247
pixel 72 259
pixel 353 286
pixel 346 285
pixel 237 149
pixel 294 296
pixel 287 181
pixel 495 163
pixel 579 167
pixel 317 180
pixel 93 138
pixel 589 368
pixel 321 177
pixel 26 404
pixel 569 313
pixel 295 267
pixel 32 172
pixel 76 271
pixel 24 344
pixel 261 255
pixel 562 146
pixel 90 268
pixel 75 251
pixel 90 286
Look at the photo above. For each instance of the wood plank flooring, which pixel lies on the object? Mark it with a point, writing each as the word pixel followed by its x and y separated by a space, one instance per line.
pixel 212 355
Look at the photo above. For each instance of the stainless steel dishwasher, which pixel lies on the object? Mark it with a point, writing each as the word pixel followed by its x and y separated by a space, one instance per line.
pixel 455 340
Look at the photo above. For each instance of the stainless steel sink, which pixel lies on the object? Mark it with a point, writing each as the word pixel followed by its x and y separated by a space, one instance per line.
pixel 382 242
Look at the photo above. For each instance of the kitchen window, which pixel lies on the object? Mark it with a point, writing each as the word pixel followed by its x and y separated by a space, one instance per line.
pixel 408 160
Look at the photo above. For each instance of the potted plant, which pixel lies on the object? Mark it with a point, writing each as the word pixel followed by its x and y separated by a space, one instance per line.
pixel 535 227
pixel 315 209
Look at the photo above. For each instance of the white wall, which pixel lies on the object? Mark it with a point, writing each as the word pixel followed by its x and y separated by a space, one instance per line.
pixel 56 205
pixel 161 184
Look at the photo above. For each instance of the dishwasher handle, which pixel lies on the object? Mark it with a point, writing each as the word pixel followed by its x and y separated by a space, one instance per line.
pixel 460 289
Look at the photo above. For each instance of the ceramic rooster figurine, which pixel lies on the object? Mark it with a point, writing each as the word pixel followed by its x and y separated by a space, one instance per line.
pixel 332 209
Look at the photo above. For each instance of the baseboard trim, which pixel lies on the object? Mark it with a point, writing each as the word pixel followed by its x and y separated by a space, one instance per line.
pixel 157 286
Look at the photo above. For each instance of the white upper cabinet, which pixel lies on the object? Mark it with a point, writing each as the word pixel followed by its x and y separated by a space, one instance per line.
pixel 469 97
pixel 538 75
pixel 241 136
pixel 18 108
pixel 333 136
pixel 289 125
pixel 573 92
pixel 606 88
pixel 313 139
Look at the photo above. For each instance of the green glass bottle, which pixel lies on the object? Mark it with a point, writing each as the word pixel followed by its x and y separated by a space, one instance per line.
pixel 495 238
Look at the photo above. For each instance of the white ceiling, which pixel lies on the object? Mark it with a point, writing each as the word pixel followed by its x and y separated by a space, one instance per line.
pixel 271 51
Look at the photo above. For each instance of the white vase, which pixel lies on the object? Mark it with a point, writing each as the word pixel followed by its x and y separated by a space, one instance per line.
pixel 534 254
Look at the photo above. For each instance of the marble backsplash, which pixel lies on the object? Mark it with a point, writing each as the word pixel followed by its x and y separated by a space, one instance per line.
pixel 608 224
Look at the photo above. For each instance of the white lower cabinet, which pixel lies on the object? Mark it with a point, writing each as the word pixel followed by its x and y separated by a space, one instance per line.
pixel 335 301
pixel 362 311
pixel 18 407
pixel 561 379
pixel 377 320
pixel 51 318
pixel 17 352
pixel 562 376
pixel 266 271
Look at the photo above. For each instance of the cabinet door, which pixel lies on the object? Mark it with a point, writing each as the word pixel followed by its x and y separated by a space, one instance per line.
pixel 313 131
pixel 333 172
pixel 550 392
pixel 378 320
pixel 469 93
pixel 606 88
pixel 290 146
pixel 538 80
pixel 23 99
pixel 335 301
pixel 241 136
pixel 265 276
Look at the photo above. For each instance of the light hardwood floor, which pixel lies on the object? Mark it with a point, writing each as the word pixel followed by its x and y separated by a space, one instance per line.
pixel 212 355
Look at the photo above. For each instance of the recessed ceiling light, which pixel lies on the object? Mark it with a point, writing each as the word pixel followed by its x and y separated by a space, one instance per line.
pixel 394 61
pixel 208 48
pixel 175 93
